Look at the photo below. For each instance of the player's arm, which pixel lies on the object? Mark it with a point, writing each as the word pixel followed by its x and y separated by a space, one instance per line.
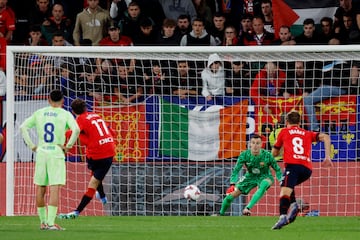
pixel 325 138
pixel 24 128
pixel 235 174
pixel 276 167
pixel 75 131
pixel 275 151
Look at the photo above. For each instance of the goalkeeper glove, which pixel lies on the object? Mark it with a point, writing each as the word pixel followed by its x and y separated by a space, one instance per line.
pixel 230 189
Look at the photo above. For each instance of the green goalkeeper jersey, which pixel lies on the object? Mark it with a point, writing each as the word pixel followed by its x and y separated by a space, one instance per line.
pixel 51 124
pixel 258 167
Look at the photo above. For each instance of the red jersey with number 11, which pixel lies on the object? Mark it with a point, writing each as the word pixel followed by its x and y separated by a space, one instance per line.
pixel 296 143
pixel 96 136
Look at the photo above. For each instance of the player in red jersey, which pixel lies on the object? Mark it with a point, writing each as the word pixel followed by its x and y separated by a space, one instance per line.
pixel 100 151
pixel 296 143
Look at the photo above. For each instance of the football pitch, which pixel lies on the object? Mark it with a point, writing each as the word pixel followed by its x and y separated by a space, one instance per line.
pixel 174 228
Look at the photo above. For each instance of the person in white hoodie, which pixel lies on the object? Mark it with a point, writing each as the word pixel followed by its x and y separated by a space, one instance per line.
pixel 213 78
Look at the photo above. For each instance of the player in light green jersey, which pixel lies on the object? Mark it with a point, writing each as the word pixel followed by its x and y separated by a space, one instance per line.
pixel 51 123
pixel 257 162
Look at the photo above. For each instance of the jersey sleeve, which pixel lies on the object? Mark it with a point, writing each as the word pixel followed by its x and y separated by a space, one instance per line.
pixel 238 166
pixel 75 130
pixel 24 128
pixel 279 140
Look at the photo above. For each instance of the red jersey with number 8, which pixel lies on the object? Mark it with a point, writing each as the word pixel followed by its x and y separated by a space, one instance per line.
pixel 96 136
pixel 296 143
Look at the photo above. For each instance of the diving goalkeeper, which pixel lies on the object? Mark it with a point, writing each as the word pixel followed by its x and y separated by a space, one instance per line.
pixel 257 162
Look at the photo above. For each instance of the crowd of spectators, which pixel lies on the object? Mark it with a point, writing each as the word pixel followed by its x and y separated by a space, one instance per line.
pixel 169 23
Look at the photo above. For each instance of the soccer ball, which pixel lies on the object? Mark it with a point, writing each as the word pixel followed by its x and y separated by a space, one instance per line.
pixel 192 192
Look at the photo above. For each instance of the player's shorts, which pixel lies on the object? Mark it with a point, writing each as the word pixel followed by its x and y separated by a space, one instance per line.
pixel 246 184
pixel 99 167
pixel 295 174
pixel 50 167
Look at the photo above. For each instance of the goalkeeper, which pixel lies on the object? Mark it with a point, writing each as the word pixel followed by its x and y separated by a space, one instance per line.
pixel 258 162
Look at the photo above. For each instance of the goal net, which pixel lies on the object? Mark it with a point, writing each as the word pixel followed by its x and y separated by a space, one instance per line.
pixel 182 116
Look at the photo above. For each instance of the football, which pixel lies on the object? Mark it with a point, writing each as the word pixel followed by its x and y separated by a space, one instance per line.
pixel 192 192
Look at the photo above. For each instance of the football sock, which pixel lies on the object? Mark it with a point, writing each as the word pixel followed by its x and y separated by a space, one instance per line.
pixel 42 214
pixel 86 199
pixel 292 197
pixel 52 210
pixel 226 203
pixel 264 185
pixel 100 190
pixel 284 204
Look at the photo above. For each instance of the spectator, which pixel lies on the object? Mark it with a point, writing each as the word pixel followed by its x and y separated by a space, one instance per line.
pixel 57 22
pixel 183 25
pixel 218 27
pixel 68 83
pixel 203 11
pixel 230 36
pixel 308 36
pixel 245 27
pixel 346 6
pixel 35 37
pixel 92 23
pixel 266 10
pixel 198 36
pixel 130 23
pixel 130 87
pixel 7 21
pixel 185 81
pixel 213 78
pixel 91 84
pixel 259 36
pixel 149 8
pixel 300 79
pixel 147 35
pixel 173 9
pixel 336 81
pixel 40 12
pixel 156 80
pixel 58 39
pixel 48 80
pixel 237 79
pixel 115 38
pixel 168 36
pixel 267 82
pixel 327 31
pixel 348 34
pixel 285 37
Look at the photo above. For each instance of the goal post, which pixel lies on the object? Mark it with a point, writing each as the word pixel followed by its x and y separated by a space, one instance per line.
pixel 168 140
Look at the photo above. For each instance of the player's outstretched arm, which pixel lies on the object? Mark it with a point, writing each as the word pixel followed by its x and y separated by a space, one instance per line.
pixel 323 137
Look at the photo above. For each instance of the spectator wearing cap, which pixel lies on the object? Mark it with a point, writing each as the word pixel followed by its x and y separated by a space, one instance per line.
pixel 147 35
pixel 91 23
pixel 115 38
pixel 168 36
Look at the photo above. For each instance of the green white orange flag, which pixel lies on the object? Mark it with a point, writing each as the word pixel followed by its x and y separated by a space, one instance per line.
pixel 218 133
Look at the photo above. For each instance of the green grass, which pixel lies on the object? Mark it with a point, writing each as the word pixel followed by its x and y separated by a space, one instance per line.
pixel 174 228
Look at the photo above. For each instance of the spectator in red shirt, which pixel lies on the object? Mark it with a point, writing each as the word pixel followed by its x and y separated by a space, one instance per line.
pixel 267 83
pixel 115 38
pixel 7 21
pixel 258 36
pixel 3 44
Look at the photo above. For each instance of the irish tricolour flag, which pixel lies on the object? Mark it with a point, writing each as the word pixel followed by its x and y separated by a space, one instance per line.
pixel 217 133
